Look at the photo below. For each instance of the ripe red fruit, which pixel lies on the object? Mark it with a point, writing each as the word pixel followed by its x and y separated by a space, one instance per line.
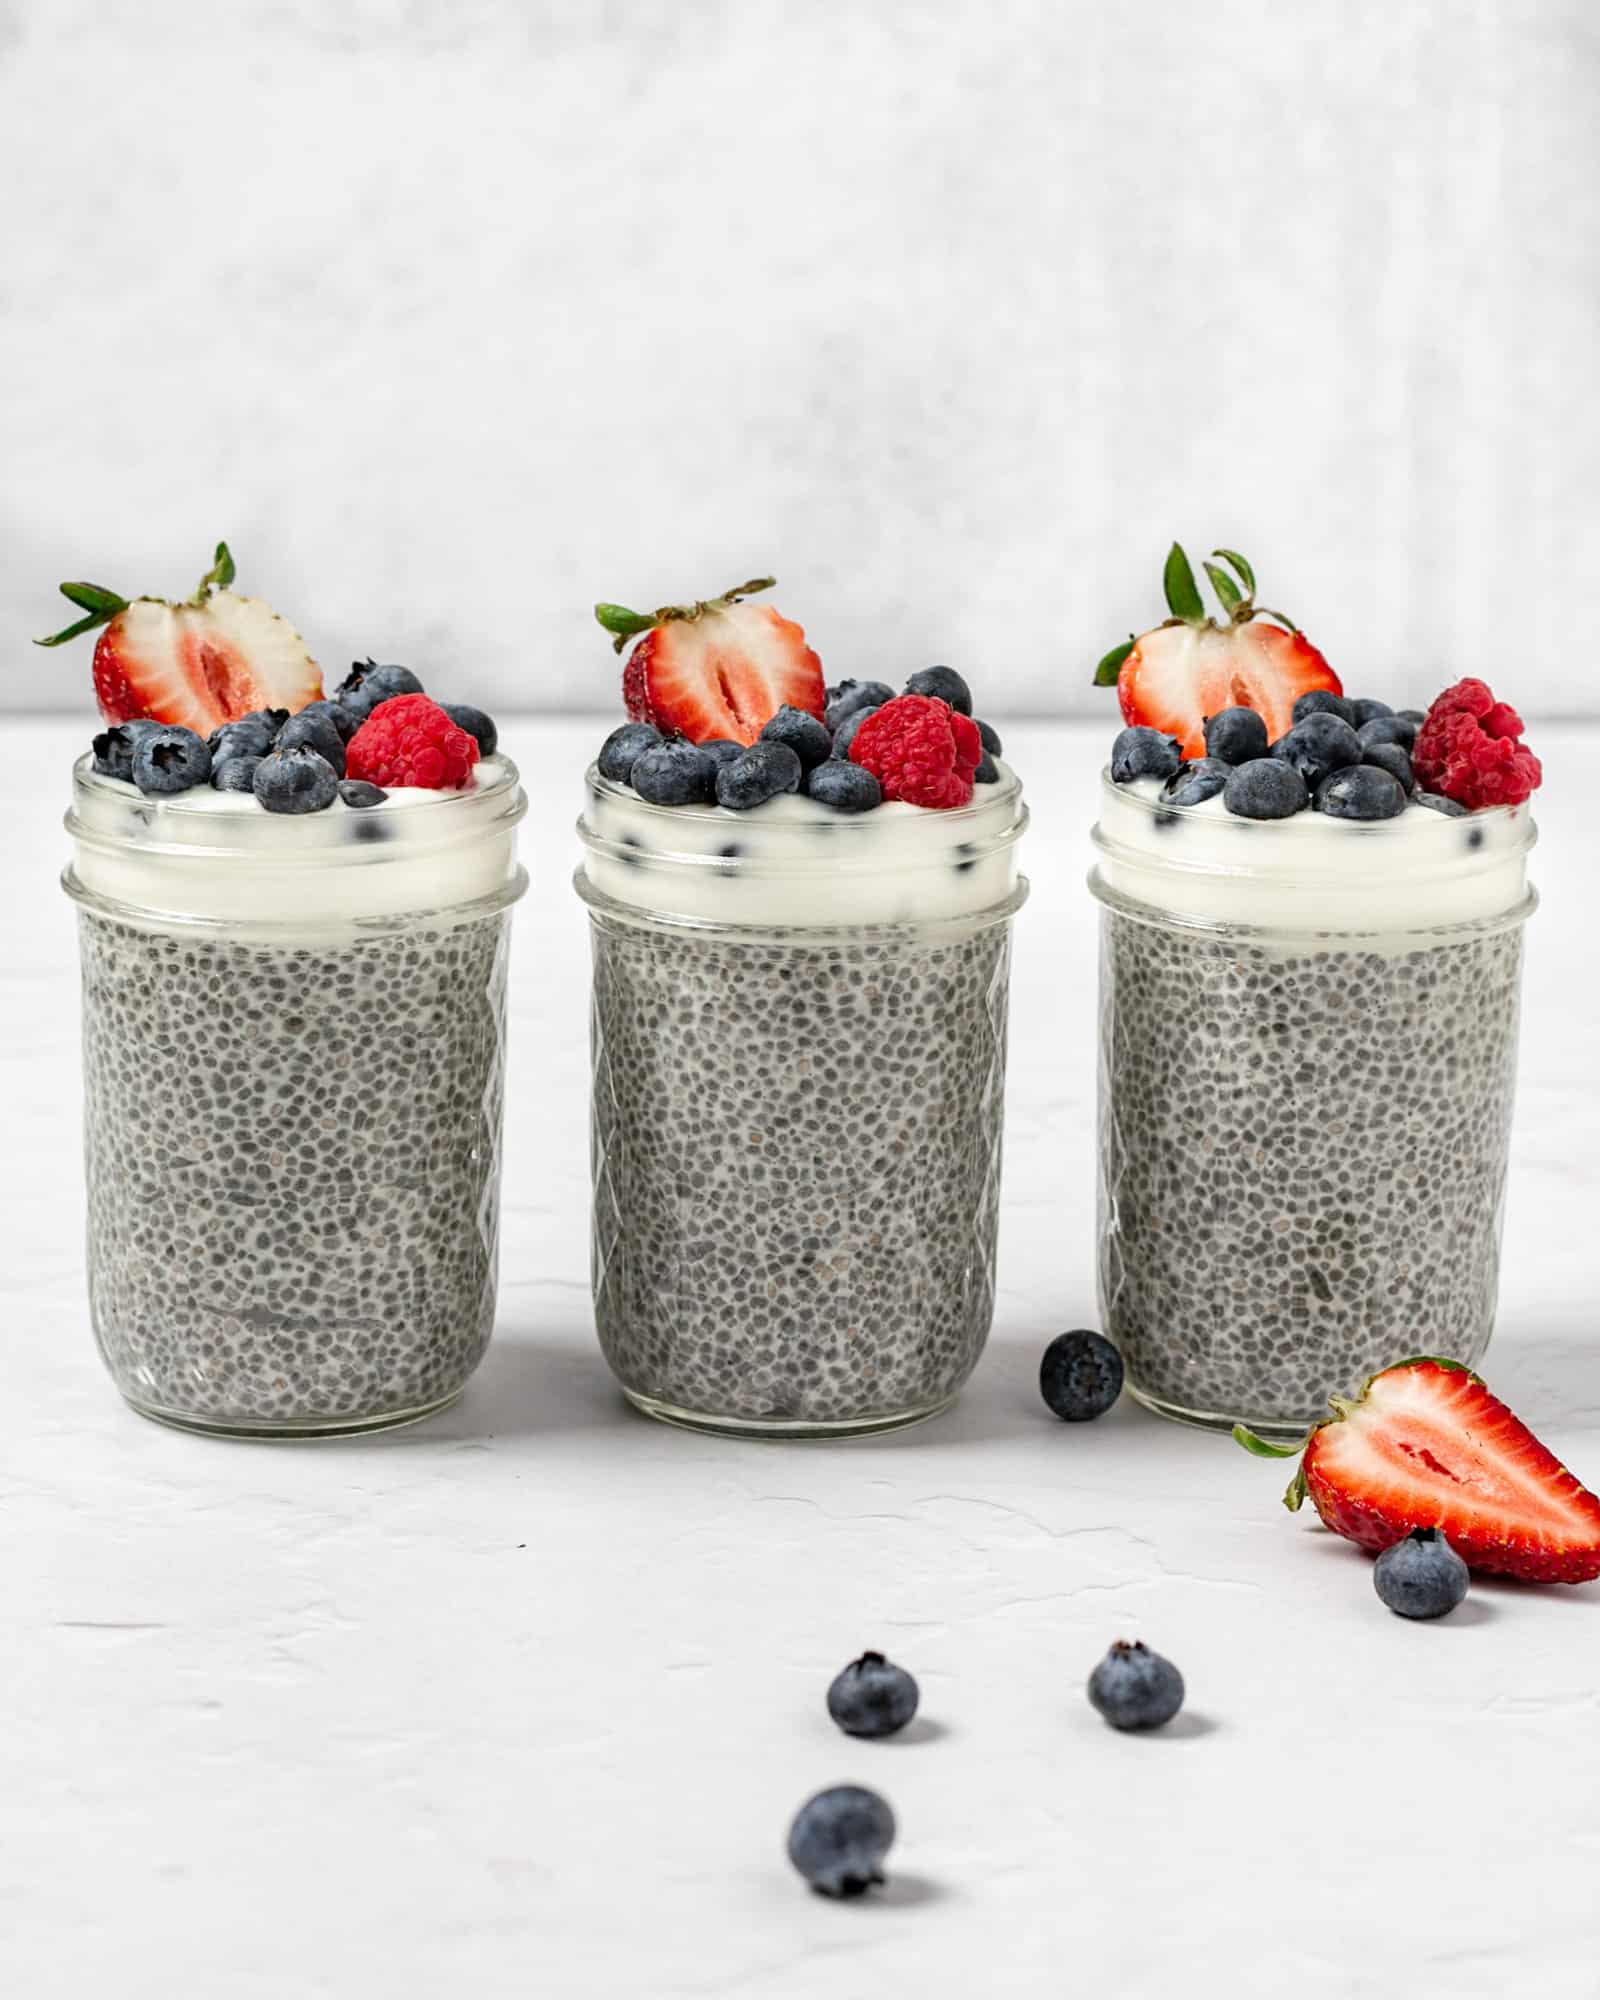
pixel 1468 748
pixel 409 740
pixel 920 750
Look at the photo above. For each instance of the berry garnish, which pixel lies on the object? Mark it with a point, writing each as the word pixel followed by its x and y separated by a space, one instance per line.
pixel 1469 749
pixel 367 684
pixel 720 667
pixel 944 684
pixel 1425 1445
pixel 1320 702
pixel 1080 1376
pixel 839 1839
pixel 920 750
pixel 760 772
pixel 358 794
pixel 170 759
pixel 113 749
pixel 1435 802
pixel 622 749
pixel 251 735
pixel 1318 745
pixel 1361 791
pixel 848 730
pixel 479 727
pixel 872 1697
pixel 1236 735
pixel 297 780
pixel 1392 758
pixel 214 657
pixel 842 701
pixel 1265 788
pixel 803 733
pixel 409 740
pixel 1133 1688
pixel 674 774
pixel 1140 752
pixel 316 730
pixel 1195 782
pixel 1387 729
pixel 988 737
pixel 1364 710
pixel 236 773
pixel 1421 1577
pixel 1190 667
pixel 844 786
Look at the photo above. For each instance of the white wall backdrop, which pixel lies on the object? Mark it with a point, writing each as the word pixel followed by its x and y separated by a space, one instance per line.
pixel 455 315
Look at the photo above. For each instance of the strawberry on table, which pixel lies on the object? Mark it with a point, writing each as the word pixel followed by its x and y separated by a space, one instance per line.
pixel 1189 668
pixel 209 660
pixel 718 668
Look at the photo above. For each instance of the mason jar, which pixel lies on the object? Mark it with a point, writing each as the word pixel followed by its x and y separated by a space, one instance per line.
pixel 294 1040
pixel 798 1044
pixel 1308 1038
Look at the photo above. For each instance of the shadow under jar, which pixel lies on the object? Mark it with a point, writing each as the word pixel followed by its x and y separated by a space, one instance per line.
pixel 798 1043
pixel 294 1038
pixel 1308 1034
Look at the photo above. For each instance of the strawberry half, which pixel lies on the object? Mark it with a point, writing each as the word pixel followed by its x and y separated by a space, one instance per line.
pixel 1190 667
pixel 1426 1445
pixel 717 668
pixel 200 663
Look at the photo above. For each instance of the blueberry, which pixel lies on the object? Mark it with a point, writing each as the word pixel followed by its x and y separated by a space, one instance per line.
pixel 990 738
pixel 358 794
pixel 367 684
pixel 846 787
pixel 1080 1376
pixel 803 733
pixel 674 774
pixel 1320 744
pixel 1391 758
pixel 986 771
pixel 872 1697
pixel 1143 753
pixel 1320 702
pixel 944 684
pixel 170 759
pixel 251 735
pixel 1361 791
pixel 479 727
pixel 1421 1577
pixel 1265 789
pixel 1437 802
pixel 624 747
pixel 297 780
pixel 1387 729
pixel 1415 715
pixel 760 773
pixel 721 751
pixel 345 720
pixel 1195 782
pixel 114 747
pixel 839 1839
pixel 235 773
pixel 1362 712
pixel 845 734
pixel 849 696
pixel 1134 1688
pixel 1236 735
pixel 306 731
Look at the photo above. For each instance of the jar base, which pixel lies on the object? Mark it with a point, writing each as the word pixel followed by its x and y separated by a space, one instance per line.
pixel 242 1430
pixel 1276 1430
pixel 777 1430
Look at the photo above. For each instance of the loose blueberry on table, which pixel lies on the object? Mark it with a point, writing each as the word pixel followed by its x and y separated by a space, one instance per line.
pixel 1421 1577
pixel 839 1839
pixel 872 1697
pixel 1080 1376
pixel 1133 1688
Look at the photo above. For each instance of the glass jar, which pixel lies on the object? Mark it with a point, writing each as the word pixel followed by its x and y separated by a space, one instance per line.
pixel 294 1035
pixel 1308 1035
pixel 798 1043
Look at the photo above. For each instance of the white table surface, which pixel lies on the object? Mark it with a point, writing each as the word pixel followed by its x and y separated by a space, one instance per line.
pixel 521 1701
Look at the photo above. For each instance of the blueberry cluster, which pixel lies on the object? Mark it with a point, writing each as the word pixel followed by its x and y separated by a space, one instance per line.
pixel 1349 759
pixel 292 763
pixel 794 753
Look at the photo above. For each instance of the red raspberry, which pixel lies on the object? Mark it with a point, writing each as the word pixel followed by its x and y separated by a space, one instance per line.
pixel 409 740
pixel 1468 749
pixel 921 750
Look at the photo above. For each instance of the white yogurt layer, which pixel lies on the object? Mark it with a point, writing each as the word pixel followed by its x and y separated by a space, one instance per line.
pixel 1416 872
pixel 211 856
pixel 795 863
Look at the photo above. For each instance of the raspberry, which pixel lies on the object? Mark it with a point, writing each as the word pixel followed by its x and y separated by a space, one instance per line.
pixel 1468 749
pixel 409 740
pixel 920 750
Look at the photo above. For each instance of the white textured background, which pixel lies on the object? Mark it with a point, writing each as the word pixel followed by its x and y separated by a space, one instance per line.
pixel 454 317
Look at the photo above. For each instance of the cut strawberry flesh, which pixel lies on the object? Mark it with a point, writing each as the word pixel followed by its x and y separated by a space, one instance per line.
pixel 724 674
pixel 1178 675
pixel 200 665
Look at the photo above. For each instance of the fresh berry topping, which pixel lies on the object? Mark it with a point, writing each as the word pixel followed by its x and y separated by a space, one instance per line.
pixel 170 759
pixel 1320 744
pixel 1134 1688
pixel 720 667
pixel 1392 758
pixel 1435 802
pixel 1236 736
pixel 1321 702
pixel 113 749
pixel 1413 715
pixel 1387 729
pixel 479 727
pixel 844 786
pixel 803 733
pixel 622 749
pixel 1421 1577
pixel 1361 791
pixel 315 730
pixel 1425 1445
pixel 989 738
pixel 920 750
pixel 847 731
pixel 1141 752
pixel 872 1697
pixel 197 664
pixel 839 1839
pixel 1190 667
pixel 1469 749
pixel 236 773
pixel 760 772
pixel 344 720
pixel 674 774
pixel 251 735
pixel 1266 788
pixel 409 740
pixel 367 684
pixel 358 794
pixel 296 781
pixel 720 750
pixel 943 684
pixel 987 771
pixel 1195 782
pixel 847 697
pixel 1080 1376
pixel 1363 711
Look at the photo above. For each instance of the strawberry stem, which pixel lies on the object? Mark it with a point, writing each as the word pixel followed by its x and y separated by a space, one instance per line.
pixel 1260 1447
pixel 100 605
pixel 624 624
pixel 219 576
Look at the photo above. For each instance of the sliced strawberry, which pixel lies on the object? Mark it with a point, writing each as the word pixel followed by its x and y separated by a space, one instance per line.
pixel 1189 668
pixel 1427 1446
pixel 718 668
pixel 199 663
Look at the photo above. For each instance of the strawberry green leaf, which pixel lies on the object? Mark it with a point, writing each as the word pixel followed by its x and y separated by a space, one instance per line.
pixel 1295 1497
pixel 1229 595
pixel 1105 675
pixel 90 597
pixel 220 574
pixel 1260 1447
pixel 748 589
pixel 1282 618
pixel 87 624
pixel 1183 593
pixel 622 623
pixel 1241 568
